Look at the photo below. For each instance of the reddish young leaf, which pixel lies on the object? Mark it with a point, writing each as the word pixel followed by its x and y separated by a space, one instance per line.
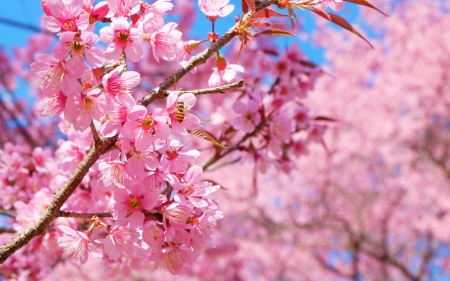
pixel 307 63
pixel 267 14
pixel 244 6
pixel 276 32
pixel 202 134
pixel 365 3
pixel 266 24
pixel 324 118
pixel 341 22
pixel 251 4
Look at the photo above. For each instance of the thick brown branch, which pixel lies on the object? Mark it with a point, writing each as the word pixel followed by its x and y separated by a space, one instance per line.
pixel 67 214
pixel 58 200
pixel 201 58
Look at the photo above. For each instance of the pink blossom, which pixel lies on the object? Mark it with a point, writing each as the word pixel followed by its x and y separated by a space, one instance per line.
pixel 250 117
pixel 52 106
pixel 193 188
pixel 118 82
pixel 120 241
pixel 166 42
pixel 203 228
pixel 141 162
pixel 215 8
pixel 82 108
pixel 65 16
pixel 123 8
pixel 79 46
pixel 99 12
pixel 153 15
pixel 117 111
pixel 129 202
pixel 173 258
pixel 177 214
pixel 112 173
pixel 224 73
pixel 149 131
pixel 78 244
pixel 55 75
pixel 153 234
pixel 122 39
pixel 186 102
pixel 178 158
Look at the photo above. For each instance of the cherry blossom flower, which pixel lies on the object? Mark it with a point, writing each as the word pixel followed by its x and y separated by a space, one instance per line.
pixel 224 73
pixel 122 39
pixel 116 113
pixel 178 158
pixel 250 117
pixel 153 15
pixel 112 172
pixel 65 16
pixel 280 128
pixel 55 75
pixel 82 108
pixel 166 42
pixel 79 46
pixel 141 162
pixel 52 106
pixel 149 130
pixel 192 187
pixel 120 241
pixel 78 244
pixel 118 82
pixel 123 8
pixel 203 227
pixel 173 258
pixel 177 214
pixel 129 202
pixel 215 8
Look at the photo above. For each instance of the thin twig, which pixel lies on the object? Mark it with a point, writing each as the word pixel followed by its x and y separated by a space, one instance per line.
pixel 68 214
pixel 215 90
pixel 7 213
pixel 6 230
pixel 94 132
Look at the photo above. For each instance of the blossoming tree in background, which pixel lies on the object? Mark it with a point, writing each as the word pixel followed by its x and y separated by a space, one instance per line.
pixel 375 204
pixel 160 130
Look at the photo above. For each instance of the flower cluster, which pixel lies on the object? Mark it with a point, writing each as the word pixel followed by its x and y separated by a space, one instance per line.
pixel 145 195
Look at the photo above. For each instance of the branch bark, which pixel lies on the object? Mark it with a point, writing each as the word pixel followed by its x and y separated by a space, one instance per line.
pixel 68 214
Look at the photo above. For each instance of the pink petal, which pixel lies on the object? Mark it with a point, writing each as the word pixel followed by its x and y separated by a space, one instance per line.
pixel 51 23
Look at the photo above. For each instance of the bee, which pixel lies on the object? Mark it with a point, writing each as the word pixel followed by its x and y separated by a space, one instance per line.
pixel 181 109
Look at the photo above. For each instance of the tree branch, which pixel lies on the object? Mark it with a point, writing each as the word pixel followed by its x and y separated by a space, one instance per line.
pixel 68 214
pixel 6 230
pixel 201 58
pixel 215 90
